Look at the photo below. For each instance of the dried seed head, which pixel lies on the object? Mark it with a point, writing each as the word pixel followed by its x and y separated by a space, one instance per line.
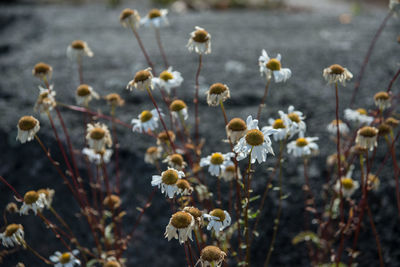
pixel 97 133
pixel 183 184
pixel 274 64
pixel 384 129
pixel 254 137
pixel 83 90
pixel 218 213
pixel 166 76
pixel 368 131
pixel 181 219
pixel 278 124
pixel 392 122
pixel 230 168
pixel 236 125
pixel 12 207
pixel 301 142
pixel 31 197
pixel 170 177
pixel 27 123
pixel 44 191
pixel 359 150
pixel 294 117
pixel 112 264
pixel 145 116
pixel 195 212
pixel 336 69
pixel 154 13
pixel 217 159
pixel 177 105
pixel 152 150
pixel 126 13
pixel 362 111
pixel 381 96
pixel 78 44
pixel 41 69
pixel 177 159
pixel 217 88
pixel 200 36
pixel 115 99
pixel 65 258
pixel 163 137
pixel 12 229
pixel 211 254
pixel 142 76
pixel 112 201
pixel 347 183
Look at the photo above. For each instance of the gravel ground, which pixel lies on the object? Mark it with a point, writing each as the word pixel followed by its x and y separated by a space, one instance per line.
pixel 309 39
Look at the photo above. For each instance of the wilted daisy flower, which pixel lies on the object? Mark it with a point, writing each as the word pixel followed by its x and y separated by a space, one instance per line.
pixel 178 110
pixel 129 18
pixel 96 157
pixel 42 70
pixel 98 136
pixel 199 41
pixel 384 129
pixel 46 100
pixel 218 220
pixel 343 128
pixel 211 256
pixel 236 129
pixel 229 173
pixel 348 186
pixel 184 188
pixel 217 93
pixel 303 146
pixel 392 122
pixel 382 100
pixel 66 259
pixel 294 121
pixel 217 162
pixel 112 202
pixel 27 126
pixel 162 138
pixel 180 227
pixel 152 154
pixel 255 142
pixel 168 79
pixel 77 49
pixel 147 120
pixel 84 94
pixel 197 215
pixel 359 116
pixel 114 99
pixel 175 161
pixel 281 130
pixel 156 18
pixel 12 207
pixel 394 5
pixel 167 181
pixel 33 201
pixel 202 192
pixel 13 235
pixel 272 66
pixel 367 137
pixel 336 73
pixel 142 80
pixel 112 263
pixel 49 195
pixel 373 182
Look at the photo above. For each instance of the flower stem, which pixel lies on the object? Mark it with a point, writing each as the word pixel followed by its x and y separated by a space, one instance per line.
pixel 260 107
pixel 196 102
pixel 160 46
pixel 151 65
pixel 246 211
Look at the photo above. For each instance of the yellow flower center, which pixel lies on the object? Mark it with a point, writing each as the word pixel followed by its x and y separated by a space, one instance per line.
pixel 169 177
pixel 97 133
pixel 211 254
pixel 362 111
pixel 154 13
pixel 166 76
pixel 181 219
pixel 368 131
pixel 27 123
pixel 126 13
pixel 41 68
pixel 336 69
pixel 301 142
pixel 381 96
pixel 201 36
pixel 217 88
pixel 12 229
pixel 31 197
pixel 217 159
pixel 294 117
pixel 145 116
pixel 142 75
pixel 236 125
pixel 65 258
pixel 83 90
pixel 112 264
pixel 347 183
pixel 177 105
pixel 151 150
pixel 278 124
pixel 177 159
pixel 78 44
pixel 183 184
pixel 254 137
pixel 274 64
pixel 218 213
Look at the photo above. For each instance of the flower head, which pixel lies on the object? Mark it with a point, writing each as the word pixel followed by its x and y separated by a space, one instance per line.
pixel 197 215
pixel 115 100
pixel 175 161
pixel 217 93
pixel 147 120
pixel 46 100
pixel 281 128
pixel 373 182
pixel 167 181
pixel 303 146
pixel 42 70
pixel 156 18
pixel 33 201
pixel 77 49
pixel 129 18
pixel 392 122
pixel 27 126
pixel 97 156
pixel 178 110
pixel 184 188
pixel 217 162
pixel 152 154
pixel 229 173
pixel 218 220
pixel 272 66
pixel 162 138
pixel 336 73
pixel 367 137
pixel 168 79
pixel 293 120
pixel 66 259
pixel 112 202
pixel 395 6
pixel 199 41
pixel 348 186
pixel 235 129
pixel 112 263
pixel 48 195
pixel 84 94
pixel 359 116
pixel 382 100
pixel 98 136
pixel 13 235
pixel 180 227
pixel 332 127
pixel 211 256
pixel 142 80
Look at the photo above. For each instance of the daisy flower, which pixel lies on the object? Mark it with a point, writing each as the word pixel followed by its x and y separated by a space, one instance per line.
pixel 184 188
pixel 384 129
pixel 272 66
pixel 218 220
pixel 348 186
pixel 77 49
pixel 162 138
pixel 96 157
pixel 13 235
pixel 178 110
pixel 229 173
pixel 142 80
pixel 112 202
pixel 337 74
pixel 84 94
pixel 175 161
pixel 27 126
pixel 281 130
pixel 129 18
pixel 217 162
pixel 42 70
pixel 168 79
pixel 373 182
pixel 112 263
pixel 98 136
pixel 359 116
pixel 211 256
pixel 382 100
pixel 49 195
pixel 199 41
pixel 332 128
pixel 147 120
pixel 167 181
pixel 255 142
pixel 156 18
pixel 294 121
pixel 367 137
pixel 395 6
pixel 236 129
pixel 303 146
pixel 46 100
pixel 180 227
pixel 392 122
pixel 197 215
pixel 33 201
pixel 217 93
pixel 152 154
pixel 66 259
pixel 114 100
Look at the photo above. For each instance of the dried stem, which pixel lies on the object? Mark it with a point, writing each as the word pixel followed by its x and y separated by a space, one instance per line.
pixel 260 107
pixel 160 46
pixel 142 48
pixel 196 102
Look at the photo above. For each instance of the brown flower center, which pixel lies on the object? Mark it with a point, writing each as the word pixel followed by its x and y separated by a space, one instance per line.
pixel 177 105
pixel 169 177
pixel 145 116
pixel 12 229
pixel 177 159
pixel 183 184
pixel 112 264
pixel 126 13
pixel 201 36
pixel 41 68
pixel 294 117
pixel 211 254
pixel 274 64
pixel 151 150
pixel 336 69
pixel 142 76
pixel 392 122
pixel 217 88
pixel 112 201
pixel 384 129
pixel 83 90
pixel 218 213
pixel 27 123
pixel 154 13
pixel 368 131
pixel 78 44
pixel 195 212
pixel 254 137
pixel 230 168
pixel 181 219
pixel 237 124
pixel 97 133
pixel 217 159
pixel 31 197
pixel 164 137
pixel 381 96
